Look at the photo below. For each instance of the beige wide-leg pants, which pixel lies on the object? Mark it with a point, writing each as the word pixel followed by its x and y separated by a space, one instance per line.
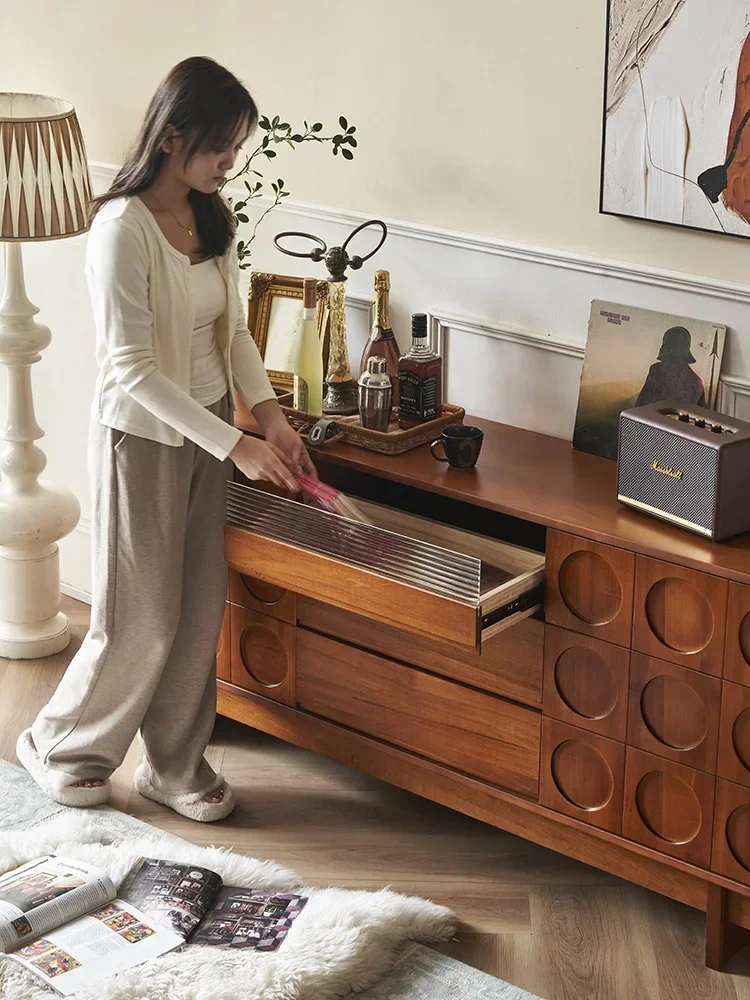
pixel 148 662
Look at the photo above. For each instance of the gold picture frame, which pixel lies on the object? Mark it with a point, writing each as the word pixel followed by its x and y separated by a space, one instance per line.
pixel 272 323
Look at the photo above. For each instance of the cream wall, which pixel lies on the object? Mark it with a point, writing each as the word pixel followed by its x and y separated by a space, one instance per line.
pixel 482 116
pixel 479 143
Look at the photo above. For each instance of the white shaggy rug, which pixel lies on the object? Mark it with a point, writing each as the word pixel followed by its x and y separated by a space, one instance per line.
pixel 342 941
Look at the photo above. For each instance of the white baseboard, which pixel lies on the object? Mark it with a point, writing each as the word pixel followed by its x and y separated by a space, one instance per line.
pixel 79 595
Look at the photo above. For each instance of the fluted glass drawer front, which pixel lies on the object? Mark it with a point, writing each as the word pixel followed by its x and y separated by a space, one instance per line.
pixel 404 570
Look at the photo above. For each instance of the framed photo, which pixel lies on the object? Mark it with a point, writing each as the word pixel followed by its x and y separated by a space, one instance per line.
pixel 638 356
pixel 275 321
pixel 676 130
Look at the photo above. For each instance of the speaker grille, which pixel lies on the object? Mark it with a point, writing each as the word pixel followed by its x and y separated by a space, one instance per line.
pixel 690 498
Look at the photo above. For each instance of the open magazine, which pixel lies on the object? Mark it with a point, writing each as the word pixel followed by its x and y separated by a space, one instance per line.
pixel 64 921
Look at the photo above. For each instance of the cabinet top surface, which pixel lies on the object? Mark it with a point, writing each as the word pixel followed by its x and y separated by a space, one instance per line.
pixel 543 479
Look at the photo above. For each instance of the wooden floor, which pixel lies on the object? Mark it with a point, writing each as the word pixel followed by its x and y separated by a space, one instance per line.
pixel 550 925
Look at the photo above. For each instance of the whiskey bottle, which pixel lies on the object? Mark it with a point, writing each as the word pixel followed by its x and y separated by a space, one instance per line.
pixel 420 378
pixel 382 342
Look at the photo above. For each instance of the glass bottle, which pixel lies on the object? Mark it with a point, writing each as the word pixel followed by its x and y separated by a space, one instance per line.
pixel 382 342
pixel 308 372
pixel 420 376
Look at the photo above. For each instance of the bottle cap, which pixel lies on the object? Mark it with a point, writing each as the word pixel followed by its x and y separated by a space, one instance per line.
pixel 419 325
pixel 376 365
pixel 310 292
pixel 382 281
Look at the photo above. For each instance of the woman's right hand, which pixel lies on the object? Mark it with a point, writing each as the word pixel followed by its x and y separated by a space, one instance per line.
pixel 258 459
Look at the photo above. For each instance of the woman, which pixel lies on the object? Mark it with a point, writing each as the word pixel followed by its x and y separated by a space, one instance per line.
pixel 171 342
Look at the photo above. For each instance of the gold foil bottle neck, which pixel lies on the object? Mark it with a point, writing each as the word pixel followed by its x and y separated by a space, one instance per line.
pixel 382 281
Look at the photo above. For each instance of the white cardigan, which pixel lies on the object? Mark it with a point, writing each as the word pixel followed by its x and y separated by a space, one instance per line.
pixel 144 318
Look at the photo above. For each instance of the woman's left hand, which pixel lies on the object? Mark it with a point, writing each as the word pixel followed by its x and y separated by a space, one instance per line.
pixel 289 443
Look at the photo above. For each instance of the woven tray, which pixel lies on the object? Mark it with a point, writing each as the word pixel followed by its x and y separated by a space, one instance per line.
pixel 395 441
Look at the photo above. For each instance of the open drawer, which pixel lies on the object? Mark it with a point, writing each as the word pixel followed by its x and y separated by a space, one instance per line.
pixel 407 571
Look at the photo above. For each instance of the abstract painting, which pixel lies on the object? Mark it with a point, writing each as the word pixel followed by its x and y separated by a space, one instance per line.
pixel 638 356
pixel 676 142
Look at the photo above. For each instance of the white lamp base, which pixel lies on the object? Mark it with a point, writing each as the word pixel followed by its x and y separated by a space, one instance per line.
pixel 33 515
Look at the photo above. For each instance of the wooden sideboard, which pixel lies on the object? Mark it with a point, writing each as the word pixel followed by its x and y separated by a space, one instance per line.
pixel 611 725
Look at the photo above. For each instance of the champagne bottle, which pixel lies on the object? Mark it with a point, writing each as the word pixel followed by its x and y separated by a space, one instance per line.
pixel 308 370
pixel 382 342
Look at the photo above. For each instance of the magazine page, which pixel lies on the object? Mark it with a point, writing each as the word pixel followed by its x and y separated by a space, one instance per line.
pixel 91 948
pixel 46 893
pixel 175 894
pixel 249 918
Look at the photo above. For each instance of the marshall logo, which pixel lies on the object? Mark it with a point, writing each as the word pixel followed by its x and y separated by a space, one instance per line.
pixel 666 470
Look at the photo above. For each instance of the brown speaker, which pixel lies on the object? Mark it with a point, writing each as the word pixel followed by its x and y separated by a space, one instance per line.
pixel 687 465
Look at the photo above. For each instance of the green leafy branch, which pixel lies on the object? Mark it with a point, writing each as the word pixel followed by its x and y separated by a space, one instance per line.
pixel 279 133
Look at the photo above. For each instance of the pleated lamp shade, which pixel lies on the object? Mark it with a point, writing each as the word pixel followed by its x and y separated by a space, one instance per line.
pixel 45 186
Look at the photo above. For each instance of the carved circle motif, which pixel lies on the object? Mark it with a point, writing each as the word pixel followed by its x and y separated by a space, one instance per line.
pixel 590 588
pixel 582 775
pixel 738 835
pixel 741 737
pixel 585 683
pixel 264 593
pixel 674 712
pixel 745 638
pixel 669 807
pixel 263 655
pixel 679 615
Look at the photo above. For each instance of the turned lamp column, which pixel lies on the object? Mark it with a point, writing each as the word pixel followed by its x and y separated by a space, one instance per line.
pixel 44 194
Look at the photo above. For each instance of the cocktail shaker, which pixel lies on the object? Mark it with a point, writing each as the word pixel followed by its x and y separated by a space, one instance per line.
pixel 375 396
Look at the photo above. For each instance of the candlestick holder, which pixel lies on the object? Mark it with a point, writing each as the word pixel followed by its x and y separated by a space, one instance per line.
pixel 341 387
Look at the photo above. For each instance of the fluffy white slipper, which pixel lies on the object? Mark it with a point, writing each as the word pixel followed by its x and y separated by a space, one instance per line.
pixel 58 785
pixel 188 804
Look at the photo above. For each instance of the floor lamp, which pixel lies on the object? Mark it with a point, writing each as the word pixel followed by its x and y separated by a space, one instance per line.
pixel 44 194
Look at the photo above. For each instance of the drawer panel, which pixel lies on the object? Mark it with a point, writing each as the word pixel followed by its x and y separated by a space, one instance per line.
pixel 263 655
pixel 402 570
pixel 668 807
pixel 224 648
pixel 679 615
pixel 674 712
pixel 266 598
pixel 510 664
pixel 582 775
pixel 586 682
pixel 589 587
pixel 473 732
pixel 734 741
pixel 731 850
pixel 737 651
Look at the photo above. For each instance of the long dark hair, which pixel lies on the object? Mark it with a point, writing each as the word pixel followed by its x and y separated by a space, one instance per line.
pixel 206 104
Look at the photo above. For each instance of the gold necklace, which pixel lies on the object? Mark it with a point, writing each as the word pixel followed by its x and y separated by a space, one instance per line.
pixel 165 209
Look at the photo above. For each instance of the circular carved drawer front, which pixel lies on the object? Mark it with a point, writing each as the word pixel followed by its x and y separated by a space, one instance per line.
pixel 731 849
pixel 263 655
pixel 265 598
pixel 674 712
pixel 589 587
pixel 668 807
pixel 586 682
pixel 679 615
pixel 582 775
pixel 734 741
pixel 737 661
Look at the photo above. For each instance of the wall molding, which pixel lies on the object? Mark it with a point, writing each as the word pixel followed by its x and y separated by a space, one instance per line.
pixel 78 595
pixel 732 388
pixel 441 323
pixel 549 257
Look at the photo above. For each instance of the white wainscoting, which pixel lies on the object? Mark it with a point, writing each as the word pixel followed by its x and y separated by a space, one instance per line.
pixel 510 319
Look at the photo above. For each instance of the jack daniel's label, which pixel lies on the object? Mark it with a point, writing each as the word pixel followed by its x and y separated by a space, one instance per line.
pixel 417 397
